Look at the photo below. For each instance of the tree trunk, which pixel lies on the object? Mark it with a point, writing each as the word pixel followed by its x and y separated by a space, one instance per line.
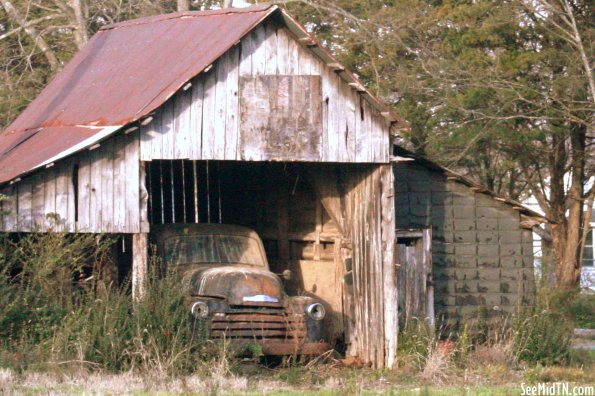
pixel 183 5
pixel 81 36
pixel 567 236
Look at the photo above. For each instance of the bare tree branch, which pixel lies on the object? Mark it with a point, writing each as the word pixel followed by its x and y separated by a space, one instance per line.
pixel 183 5
pixel 28 24
pixel 33 34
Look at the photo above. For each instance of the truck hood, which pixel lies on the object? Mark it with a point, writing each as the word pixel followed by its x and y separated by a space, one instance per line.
pixel 239 285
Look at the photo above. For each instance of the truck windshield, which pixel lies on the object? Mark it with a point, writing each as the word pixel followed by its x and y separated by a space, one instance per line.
pixel 213 249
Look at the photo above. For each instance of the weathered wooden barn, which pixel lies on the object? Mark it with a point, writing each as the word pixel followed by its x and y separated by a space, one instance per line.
pixel 239 116
pixel 236 116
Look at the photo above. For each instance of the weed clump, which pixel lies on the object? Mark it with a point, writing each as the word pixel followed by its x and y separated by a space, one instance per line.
pixel 56 308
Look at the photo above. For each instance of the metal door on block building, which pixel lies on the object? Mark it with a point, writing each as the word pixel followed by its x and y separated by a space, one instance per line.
pixel 414 276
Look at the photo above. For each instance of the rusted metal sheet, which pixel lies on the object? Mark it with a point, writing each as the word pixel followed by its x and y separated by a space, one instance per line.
pixel 256 333
pixel 125 72
pixel 260 318
pixel 284 348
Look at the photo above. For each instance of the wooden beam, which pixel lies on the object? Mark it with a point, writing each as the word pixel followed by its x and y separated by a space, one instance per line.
pixel 283 224
pixel 389 276
pixel 317 246
pixel 357 86
pixel 309 41
pixel 336 66
pixel 427 258
pixel 409 233
pixel 389 116
pixel 143 198
pixel 139 264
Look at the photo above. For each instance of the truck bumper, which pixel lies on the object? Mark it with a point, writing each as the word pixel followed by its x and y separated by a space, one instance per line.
pixel 270 347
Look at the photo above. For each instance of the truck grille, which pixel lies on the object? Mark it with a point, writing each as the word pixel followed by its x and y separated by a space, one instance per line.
pixel 258 325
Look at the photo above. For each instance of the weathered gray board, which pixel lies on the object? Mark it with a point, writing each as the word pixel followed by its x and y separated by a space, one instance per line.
pixel 366 220
pixel 45 201
pixel 289 121
pixel 414 277
pixel 203 122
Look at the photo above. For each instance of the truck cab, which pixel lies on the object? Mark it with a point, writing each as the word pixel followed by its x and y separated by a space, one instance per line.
pixel 230 288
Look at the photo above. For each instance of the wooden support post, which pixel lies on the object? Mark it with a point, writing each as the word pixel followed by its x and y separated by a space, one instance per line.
pixel 139 264
pixel 144 198
pixel 389 275
pixel 317 246
pixel 283 225
pixel 427 258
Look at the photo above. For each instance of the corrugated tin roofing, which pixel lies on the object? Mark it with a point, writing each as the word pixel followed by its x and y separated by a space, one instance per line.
pixel 125 72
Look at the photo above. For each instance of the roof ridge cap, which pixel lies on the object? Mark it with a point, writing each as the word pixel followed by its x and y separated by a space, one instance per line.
pixel 189 14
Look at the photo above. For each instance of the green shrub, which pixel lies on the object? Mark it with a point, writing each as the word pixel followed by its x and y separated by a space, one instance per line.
pixel 50 314
pixel 582 310
pixel 36 282
pixel 542 335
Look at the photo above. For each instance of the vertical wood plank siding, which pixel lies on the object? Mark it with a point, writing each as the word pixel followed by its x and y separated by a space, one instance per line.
pixel 374 280
pixel 108 197
pixel 360 200
pixel 203 122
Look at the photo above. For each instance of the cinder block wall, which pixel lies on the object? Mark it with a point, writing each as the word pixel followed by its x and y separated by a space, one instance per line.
pixel 482 258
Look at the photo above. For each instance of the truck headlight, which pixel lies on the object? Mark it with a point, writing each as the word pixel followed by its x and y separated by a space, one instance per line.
pixel 200 309
pixel 316 311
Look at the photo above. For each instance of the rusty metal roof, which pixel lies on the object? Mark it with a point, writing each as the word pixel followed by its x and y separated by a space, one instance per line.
pixel 126 71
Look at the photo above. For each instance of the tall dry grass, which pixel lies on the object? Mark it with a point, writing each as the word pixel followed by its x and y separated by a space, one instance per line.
pixel 55 309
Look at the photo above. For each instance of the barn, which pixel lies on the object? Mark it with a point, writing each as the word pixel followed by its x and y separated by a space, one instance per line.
pixel 240 116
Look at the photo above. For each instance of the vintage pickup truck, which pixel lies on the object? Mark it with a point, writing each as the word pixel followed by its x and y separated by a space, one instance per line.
pixel 229 287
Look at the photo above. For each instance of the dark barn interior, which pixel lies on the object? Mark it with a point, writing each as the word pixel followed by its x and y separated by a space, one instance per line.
pixel 275 199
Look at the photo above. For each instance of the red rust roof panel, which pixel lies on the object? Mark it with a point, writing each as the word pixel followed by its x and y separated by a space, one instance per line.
pixel 126 71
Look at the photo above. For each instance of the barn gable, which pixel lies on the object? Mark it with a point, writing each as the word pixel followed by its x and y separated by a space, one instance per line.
pixel 246 105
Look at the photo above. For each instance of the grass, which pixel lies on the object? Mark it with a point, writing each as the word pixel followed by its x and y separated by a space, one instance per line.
pixel 336 381
pixel 583 310
pixel 57 310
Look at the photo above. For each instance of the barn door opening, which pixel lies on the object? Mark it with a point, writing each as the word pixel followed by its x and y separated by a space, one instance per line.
pixel 414 277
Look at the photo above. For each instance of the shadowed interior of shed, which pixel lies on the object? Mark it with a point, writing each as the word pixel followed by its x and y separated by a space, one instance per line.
pixel 277 200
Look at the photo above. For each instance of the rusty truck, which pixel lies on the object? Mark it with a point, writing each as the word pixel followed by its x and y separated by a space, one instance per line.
pixel 230 289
